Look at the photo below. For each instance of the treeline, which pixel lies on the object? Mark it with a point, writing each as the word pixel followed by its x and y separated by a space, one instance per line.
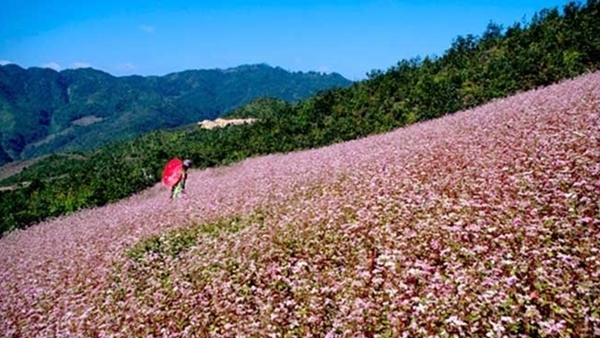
pixel 555 45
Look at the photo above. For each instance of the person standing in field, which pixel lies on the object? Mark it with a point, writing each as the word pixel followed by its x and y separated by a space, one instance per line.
pixel 179 187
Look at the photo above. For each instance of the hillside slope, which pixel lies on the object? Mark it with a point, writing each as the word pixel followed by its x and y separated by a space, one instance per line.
pixel 557 44
pixel 482 222
pixel 44 111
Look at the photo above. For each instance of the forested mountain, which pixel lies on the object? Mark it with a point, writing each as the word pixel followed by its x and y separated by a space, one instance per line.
pixel 44 111
pixel 555 45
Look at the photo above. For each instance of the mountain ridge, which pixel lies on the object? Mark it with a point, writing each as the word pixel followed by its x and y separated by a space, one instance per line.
pixel 44 111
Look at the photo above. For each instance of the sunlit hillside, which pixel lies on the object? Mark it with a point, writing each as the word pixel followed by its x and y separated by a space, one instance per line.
pixel 556 44
pixel 481 223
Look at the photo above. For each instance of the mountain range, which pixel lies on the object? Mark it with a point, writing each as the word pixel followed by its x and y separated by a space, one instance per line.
pixel 44 111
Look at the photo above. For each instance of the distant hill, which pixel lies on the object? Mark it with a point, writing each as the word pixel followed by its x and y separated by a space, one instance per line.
pixel 44 111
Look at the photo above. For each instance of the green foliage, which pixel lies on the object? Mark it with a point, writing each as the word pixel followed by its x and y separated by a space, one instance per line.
pixel 48 167
pixel 260 108
pixel 472 71
pixel 180 240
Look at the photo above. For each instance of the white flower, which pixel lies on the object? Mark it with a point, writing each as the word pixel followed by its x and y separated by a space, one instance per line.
pixel 455 321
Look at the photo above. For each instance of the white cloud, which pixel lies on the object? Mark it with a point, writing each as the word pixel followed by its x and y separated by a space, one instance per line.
pixel 78 64
pixel 52 65
pixel 323 69
pixel 4 62
pixel 147 28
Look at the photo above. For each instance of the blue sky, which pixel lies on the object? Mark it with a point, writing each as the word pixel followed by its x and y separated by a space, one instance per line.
pixel 159 37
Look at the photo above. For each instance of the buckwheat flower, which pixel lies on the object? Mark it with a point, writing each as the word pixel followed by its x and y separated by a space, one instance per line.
pixel 487 281
pixel 420 308
pixel 314 319
pixel 454 320
pixel 552 327
pixel 497 328
pixel 512 280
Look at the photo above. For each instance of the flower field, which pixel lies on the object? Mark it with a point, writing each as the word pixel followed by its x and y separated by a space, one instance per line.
pixel 482 223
